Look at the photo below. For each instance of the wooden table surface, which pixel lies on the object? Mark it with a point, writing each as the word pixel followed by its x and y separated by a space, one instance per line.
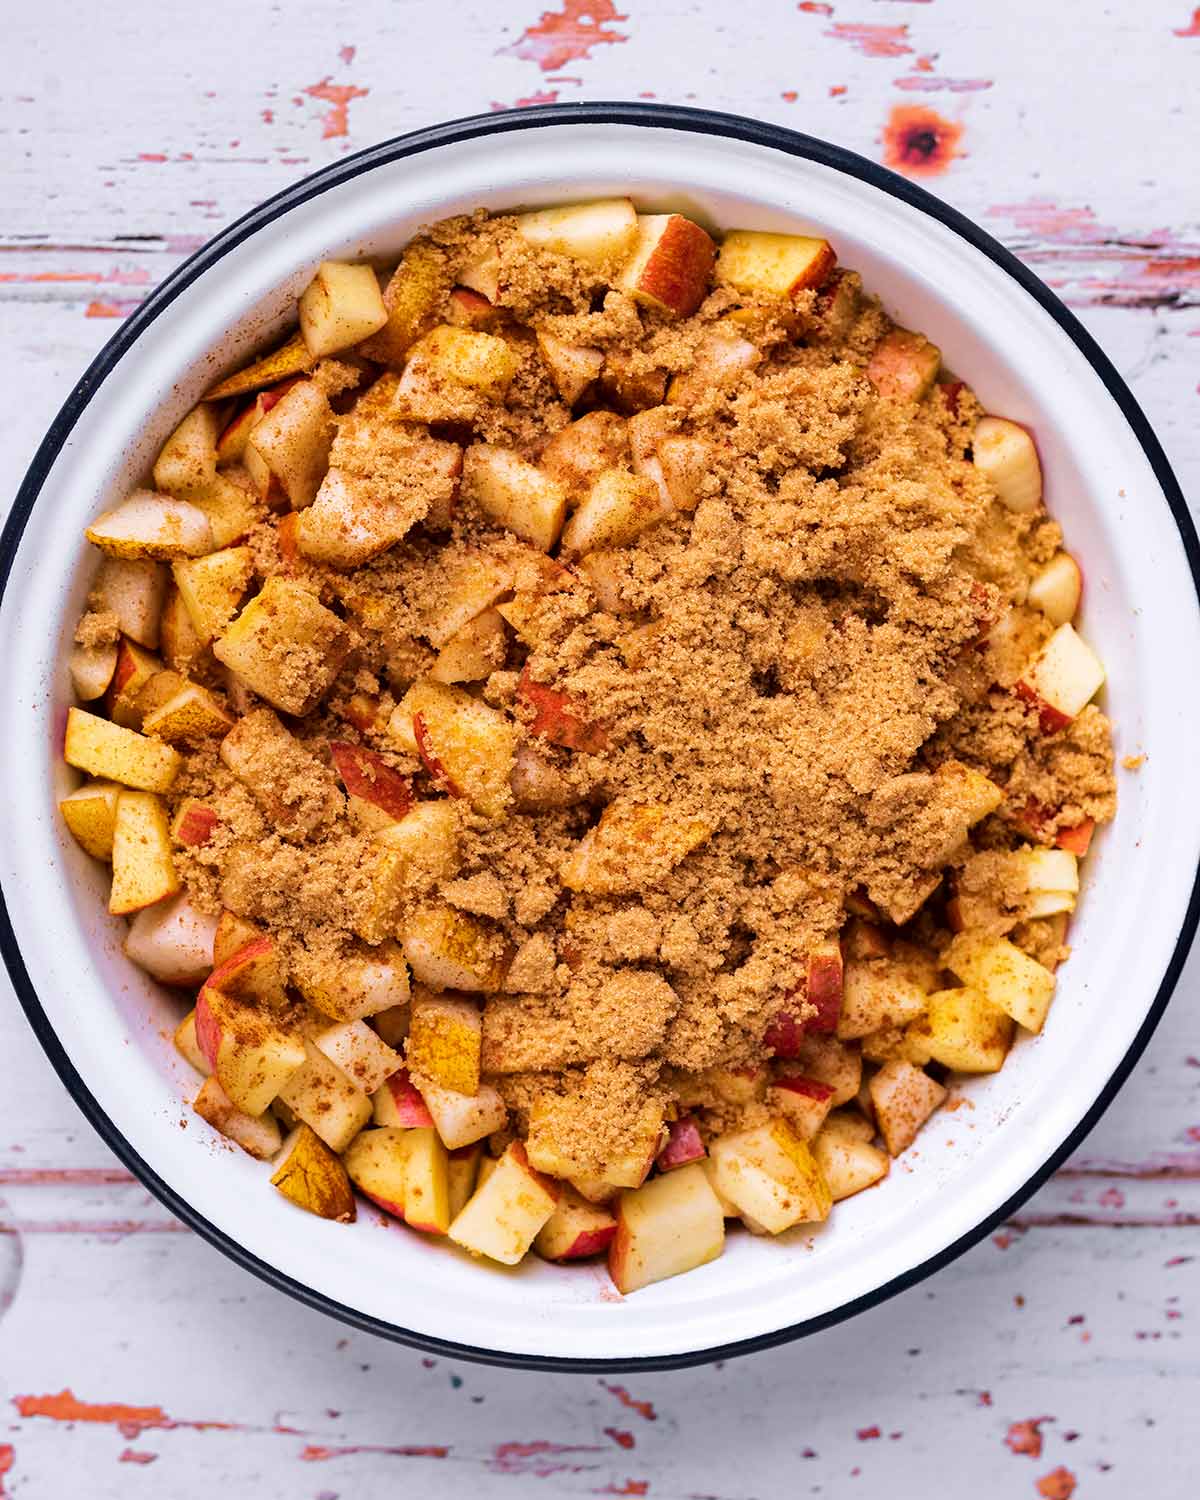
pixel 1061 1355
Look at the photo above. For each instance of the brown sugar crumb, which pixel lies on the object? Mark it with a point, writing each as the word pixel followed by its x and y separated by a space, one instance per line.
pixel 98 627
pixel 652 778
pixel 1133 762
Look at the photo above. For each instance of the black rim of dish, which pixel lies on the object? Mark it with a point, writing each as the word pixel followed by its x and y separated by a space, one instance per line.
pixel 693 121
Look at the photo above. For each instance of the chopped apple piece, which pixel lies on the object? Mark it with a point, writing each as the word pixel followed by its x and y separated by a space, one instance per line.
pixel 598 233
pixel 847 1159
pixel 383 795
pixel 212 587
pixel 286 646
pixel 449 368
pixel 1063 678
pixel 684 463
pixel 133 589
pixel 341 305
pixel 449 949
pixel 576 1229
pixel 293 440
pixel 769 1175
pixel 684 1144
pixel 904 365
pixel 573 367
pixel 377 1163
pixel 804 1102
pixel 463 1119
pixel 361 985
pixel 627 1165
pixel 466 746
pixel 472 581
pixel 257 1135
pixel 1078 839
pixel 475 652
pixel 320 1094
pixel 670 265
pixel 515 494
pixel 428 838
pixel 633 845
pixel 398 1102
pixel 135 667
pixel 773 265
pixel 309 1174
pixel 187 464
pixel 617 509
pixel 577 454
pixel 188 1047
pixel 92 669
pixel 1011 981
pixel 504 1214
pixel 233 934
pixel 1057 589
pixel 291 358
pixel 483 275
pixel 963 1030
pixel 172 941
pixel 290 783
pixel 148 525
pixel 538 786
pixel 444 1042
pixel 426 1182
pixel 1007 455
pixel 251 972
pixel 189 716
pixel 1051 879
pixel 561 718
pixel 877 994
pixel 903 1098
pixel 362 1055
pixel 409 300
pixel 667 1227
pixel 112 753
pixel 721 359
pixel 90 812
pixel 143 867
pixel 182 648
pixel 462 1170
pixel 837 1063
pixel 253 1058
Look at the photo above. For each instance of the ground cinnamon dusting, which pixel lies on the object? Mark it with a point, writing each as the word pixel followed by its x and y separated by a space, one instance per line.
pixel 778 675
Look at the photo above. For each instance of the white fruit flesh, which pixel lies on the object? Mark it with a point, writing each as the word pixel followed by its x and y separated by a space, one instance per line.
pixel 1011 980
pixel 503 1215
pixel 1007 455
pixel 1067 674
pixel 148 525
pixel 1057 589
pixel 173 942
pixel 671 1225
pixel 770 1176
pixel 341 306
pixel 596 233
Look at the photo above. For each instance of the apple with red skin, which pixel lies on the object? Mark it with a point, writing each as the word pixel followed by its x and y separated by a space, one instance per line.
pixel 684 1144
pixel 1050 719
pixel 576 1229
pixel 785 1034
pixel 430 760
pixel 367 775
pixel 1077 840
pixel 195 825
pixel 470 309
pixel 251 972
pixel 560 717
pixel 410 1107
pixel 824 977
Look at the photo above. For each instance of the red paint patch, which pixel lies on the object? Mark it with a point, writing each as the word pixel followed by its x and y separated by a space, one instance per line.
pixel 567 35
pixel 338 96
pixel 1193 29
pixel 129 1420
pixel 151 156
pixel 621 1438
pixel 1059 1484
pixel 919 141
pixel 537 1460
pixel 8 1457
pixel 347 54
pixel 643 1408
pixel 866 1434
pixel 836 90
pixel 789 96
pixel 1026 1437
pixel 870 40
pixel 543 96
pixel 814 8
pixel 1111 1198
pixel 268 117
pixel 315 1453
pixel 136 1456
pixel 630 1487
pixel 923 64
pixel 924 84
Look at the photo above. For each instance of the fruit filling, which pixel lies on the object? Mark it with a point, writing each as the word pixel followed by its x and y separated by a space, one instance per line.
pixel 593 728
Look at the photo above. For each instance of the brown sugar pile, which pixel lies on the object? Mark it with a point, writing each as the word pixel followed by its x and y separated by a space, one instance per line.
pixel 788 675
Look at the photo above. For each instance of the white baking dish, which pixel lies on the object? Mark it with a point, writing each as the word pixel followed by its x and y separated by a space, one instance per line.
pixel 107 1028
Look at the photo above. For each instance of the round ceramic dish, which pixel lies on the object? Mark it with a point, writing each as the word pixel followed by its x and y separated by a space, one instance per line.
pixel 106 1027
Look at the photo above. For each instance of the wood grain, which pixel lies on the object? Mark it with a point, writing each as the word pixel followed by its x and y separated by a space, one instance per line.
pixel 1062 1346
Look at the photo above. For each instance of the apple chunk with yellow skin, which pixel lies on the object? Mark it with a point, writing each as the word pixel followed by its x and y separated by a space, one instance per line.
pixel 1063 678
pixel 148 525
pixel 257 1135
pixel 964 1031
pixel 1011 981
pixel 252 1057
pixel 189 716
pixel 311 1176
pixel 770 1176
pixel 672 1225
pixel 291 358
pixel 597 233
pixel 293 440
pixel 90 812
pixel 847 1159
pixel 475 652
pixel 503 1216
pixel 626 1165
pixel 515 494
pixel 773 265
pixel 576 1229
pixel 360 984
pixel 376 1162
pixel 187 464
pixel 142 862
pixel 444 1041
pixel 450 949
pixel 449 370
pixel 321 1095
pixel 902 1098
pixel 340 306
pixel 428 837
pixel 409 300
pixel 462 1119
pixel 633 843
pixel 617 509
pixel 904 365
pixel 286 646
pixel 172 941
pixel 670 265
pixel 212 587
